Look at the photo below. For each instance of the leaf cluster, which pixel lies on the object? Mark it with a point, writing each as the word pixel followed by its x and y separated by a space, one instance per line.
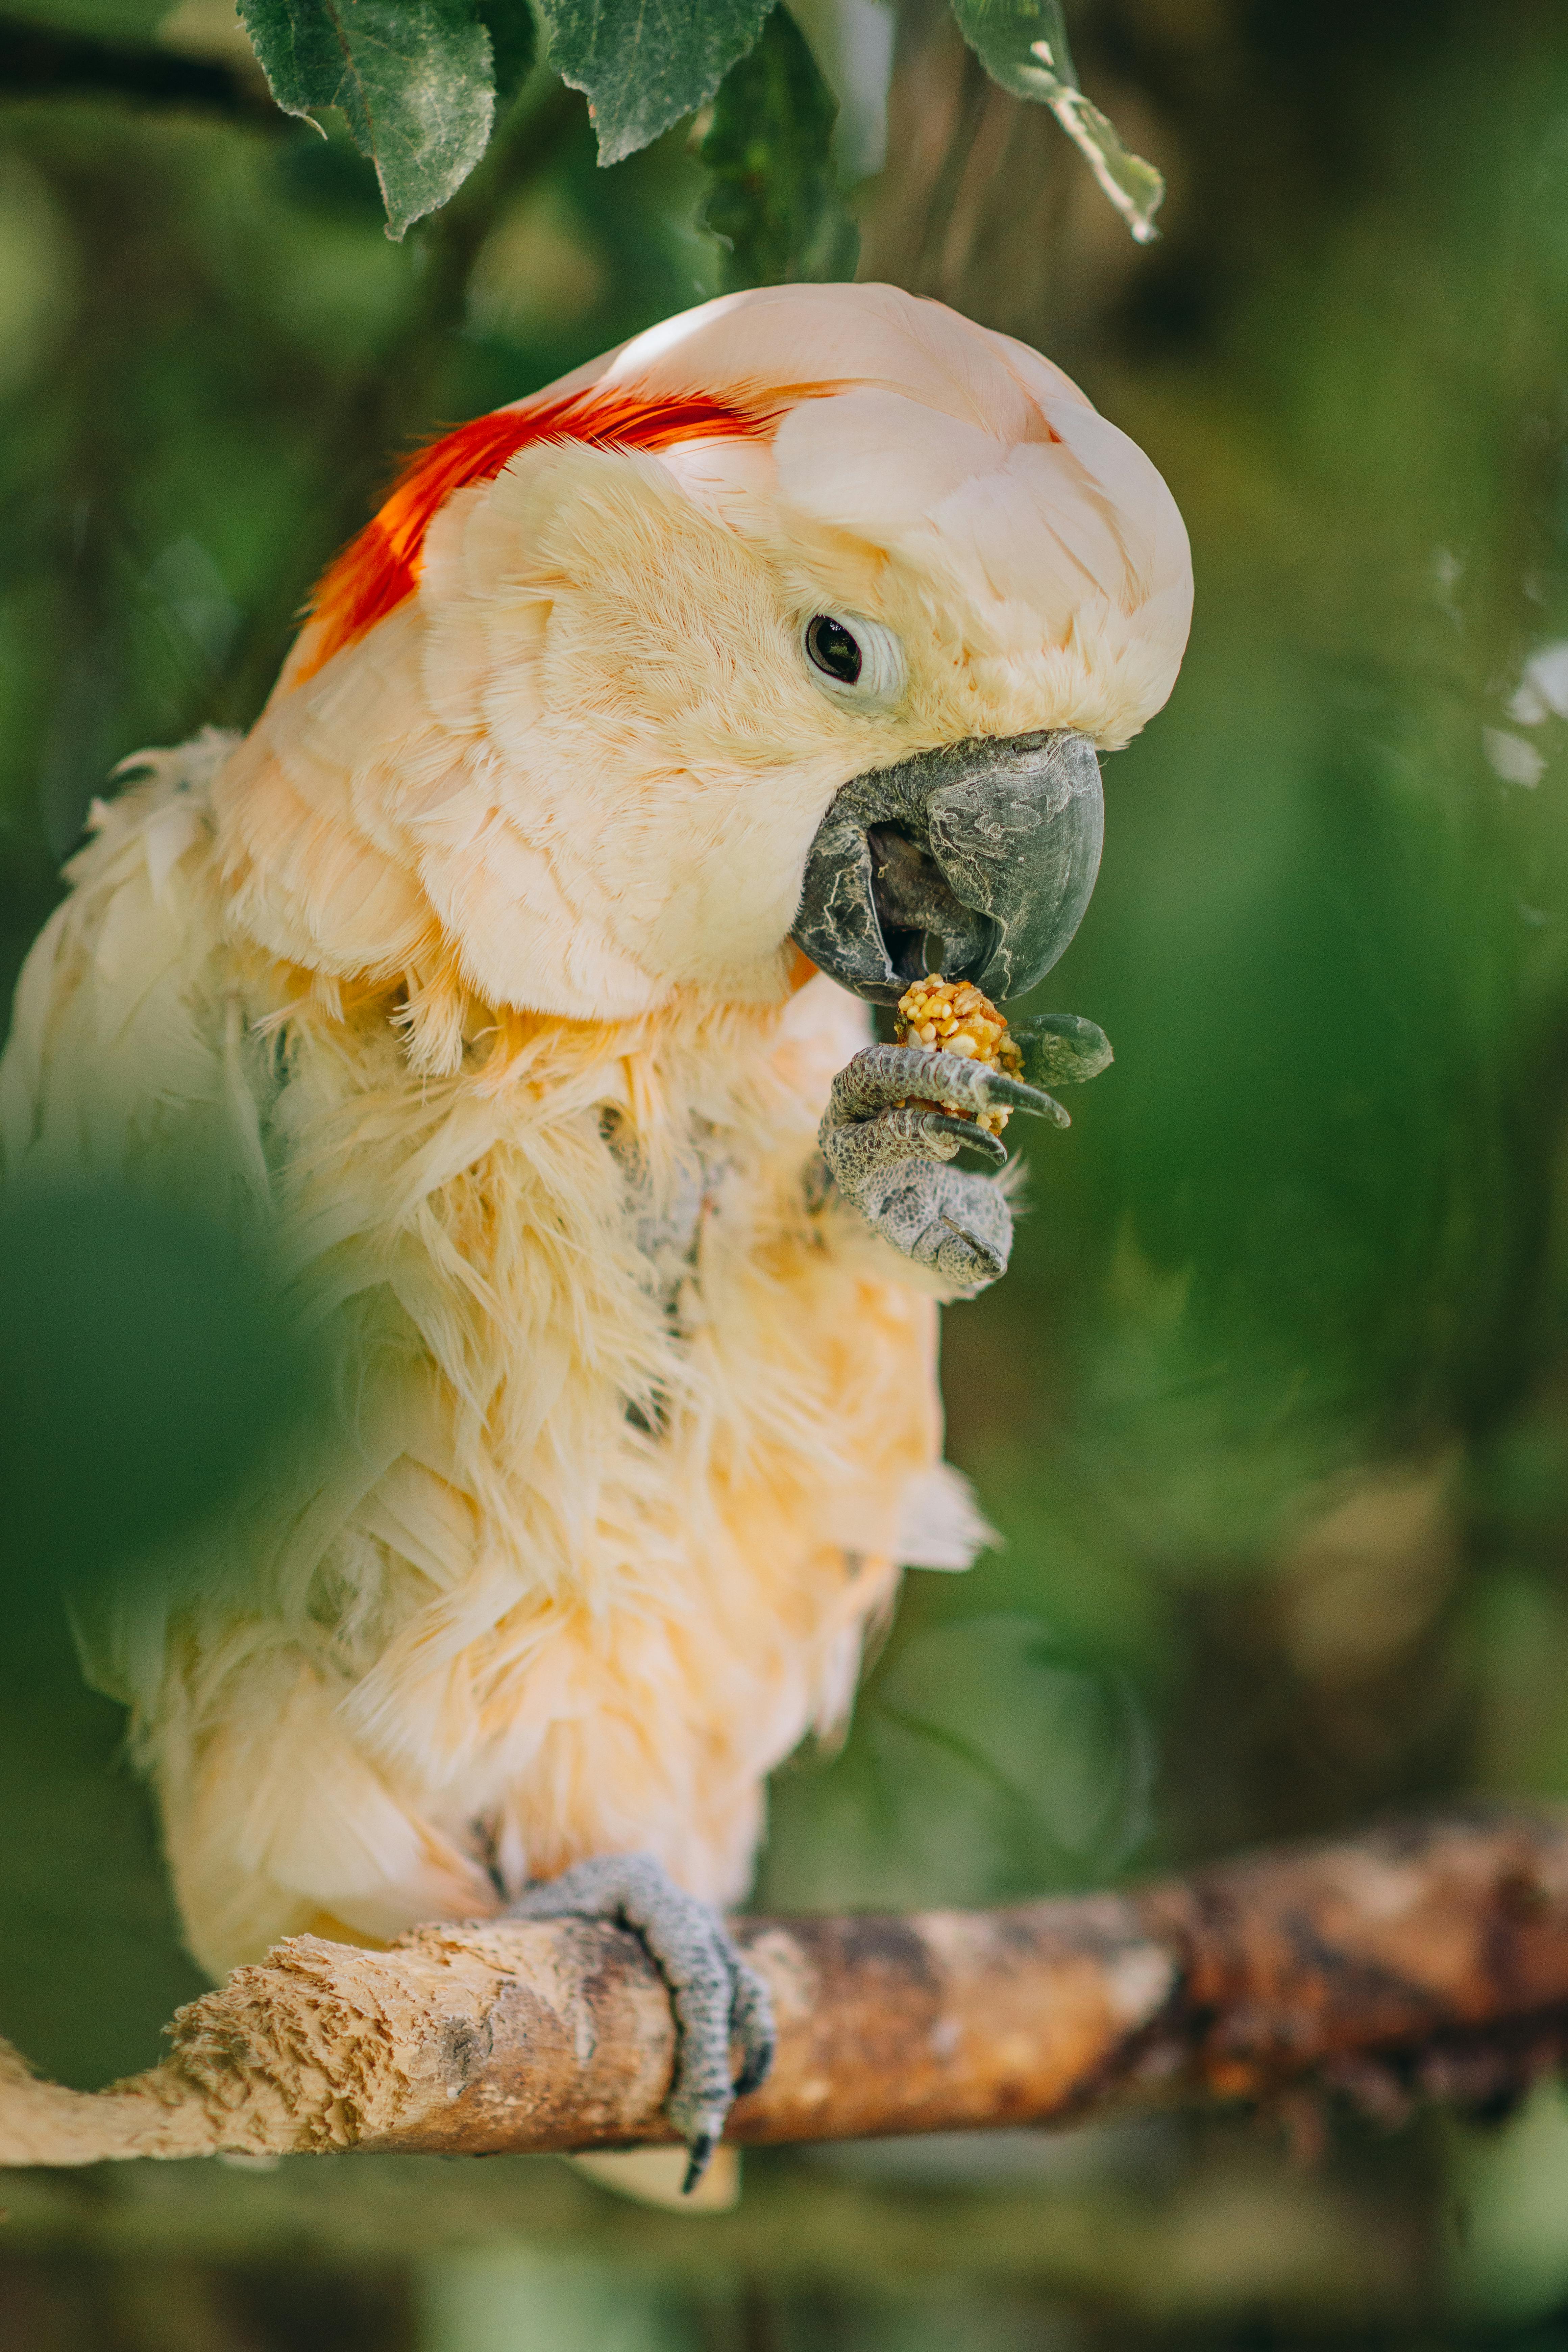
pixel 420 84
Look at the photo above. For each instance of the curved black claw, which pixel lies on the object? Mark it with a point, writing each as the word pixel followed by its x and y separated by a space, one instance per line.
pixel 753 2021
pixel 884 1075
pixel 716 1996
pixel 699 2153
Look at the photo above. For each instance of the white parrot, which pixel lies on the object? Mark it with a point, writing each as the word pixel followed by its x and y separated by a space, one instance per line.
pixel 509 975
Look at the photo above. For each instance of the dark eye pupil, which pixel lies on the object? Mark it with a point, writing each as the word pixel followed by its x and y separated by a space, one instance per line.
pixel 833 649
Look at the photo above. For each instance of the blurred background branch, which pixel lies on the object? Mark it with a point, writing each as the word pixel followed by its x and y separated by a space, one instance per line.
pixel 51 61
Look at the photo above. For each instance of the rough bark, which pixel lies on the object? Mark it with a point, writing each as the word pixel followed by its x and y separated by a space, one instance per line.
pixel 1430 1957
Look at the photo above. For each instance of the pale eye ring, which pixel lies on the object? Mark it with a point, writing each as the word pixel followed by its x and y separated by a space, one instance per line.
pixel 853 659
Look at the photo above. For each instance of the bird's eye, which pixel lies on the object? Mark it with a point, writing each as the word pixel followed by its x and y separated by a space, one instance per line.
pixel 831 646
pixel 854 659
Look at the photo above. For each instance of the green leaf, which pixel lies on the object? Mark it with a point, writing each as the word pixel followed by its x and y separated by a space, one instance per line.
pixel 1023 43
pixel 414 79
pixel 776 202
pixel 642 64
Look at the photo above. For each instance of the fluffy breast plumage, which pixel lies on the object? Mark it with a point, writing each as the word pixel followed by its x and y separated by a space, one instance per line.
pixel 631 1427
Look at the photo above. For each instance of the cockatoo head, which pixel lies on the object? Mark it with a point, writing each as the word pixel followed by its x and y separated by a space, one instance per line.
pixel 804 614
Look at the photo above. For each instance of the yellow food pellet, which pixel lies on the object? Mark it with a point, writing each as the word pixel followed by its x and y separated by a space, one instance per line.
pixel 957 1018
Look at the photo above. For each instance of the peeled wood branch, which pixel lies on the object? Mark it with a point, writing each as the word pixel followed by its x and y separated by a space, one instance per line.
pixel 1428 1956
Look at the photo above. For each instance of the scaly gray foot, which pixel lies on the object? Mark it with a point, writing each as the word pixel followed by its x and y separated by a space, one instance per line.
pixel 890 1161
pixel 716 1997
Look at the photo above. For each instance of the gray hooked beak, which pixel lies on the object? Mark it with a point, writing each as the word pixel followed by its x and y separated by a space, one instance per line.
pixel 976 861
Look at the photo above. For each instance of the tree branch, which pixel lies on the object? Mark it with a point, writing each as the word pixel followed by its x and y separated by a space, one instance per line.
pixel 1426 1957
pixel 43 61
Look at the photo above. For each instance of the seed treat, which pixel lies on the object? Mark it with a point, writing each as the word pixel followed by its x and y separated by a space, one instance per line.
pixel 955 1017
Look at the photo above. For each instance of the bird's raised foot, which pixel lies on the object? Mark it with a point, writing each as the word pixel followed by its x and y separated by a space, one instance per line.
pixel 718 1999
pixel 896 1116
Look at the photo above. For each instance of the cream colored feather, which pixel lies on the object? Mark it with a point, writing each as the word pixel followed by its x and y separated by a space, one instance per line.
pixel 466 975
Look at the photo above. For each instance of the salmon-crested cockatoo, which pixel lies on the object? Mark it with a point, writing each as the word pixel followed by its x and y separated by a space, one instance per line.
pixel 512 974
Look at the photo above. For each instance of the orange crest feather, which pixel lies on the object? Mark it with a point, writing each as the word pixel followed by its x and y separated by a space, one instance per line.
pixel 376 570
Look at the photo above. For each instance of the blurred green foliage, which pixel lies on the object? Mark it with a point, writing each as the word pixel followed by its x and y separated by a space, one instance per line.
pixel 1271 1412
pixel 146 1370
pixel 1023 45
pixel 775 205
pixel 418 82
